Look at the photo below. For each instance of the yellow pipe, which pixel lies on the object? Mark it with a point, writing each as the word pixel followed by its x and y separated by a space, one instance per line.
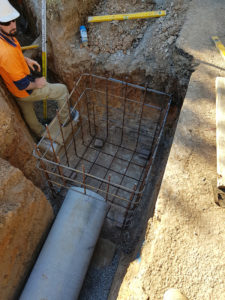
pixel 219 45
pixel 120 17
pixel 29 47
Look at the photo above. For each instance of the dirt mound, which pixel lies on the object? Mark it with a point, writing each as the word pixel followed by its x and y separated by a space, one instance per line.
pixel 112 36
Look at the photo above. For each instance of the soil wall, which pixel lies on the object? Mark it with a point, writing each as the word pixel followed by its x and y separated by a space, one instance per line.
pixel 16 143
pixel 25 217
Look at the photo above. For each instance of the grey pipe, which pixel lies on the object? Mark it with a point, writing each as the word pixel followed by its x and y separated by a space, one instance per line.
pixel 63 261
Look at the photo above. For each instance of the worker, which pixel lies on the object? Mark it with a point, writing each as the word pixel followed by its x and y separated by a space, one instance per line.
pixel 14 69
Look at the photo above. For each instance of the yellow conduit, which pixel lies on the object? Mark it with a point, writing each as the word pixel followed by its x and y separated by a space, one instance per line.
pixel 29 47
pixel 120 17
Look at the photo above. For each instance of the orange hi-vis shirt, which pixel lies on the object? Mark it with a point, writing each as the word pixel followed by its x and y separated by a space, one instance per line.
pixel 13 67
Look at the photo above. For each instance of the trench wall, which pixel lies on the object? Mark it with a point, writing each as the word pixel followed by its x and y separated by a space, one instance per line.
pixel 25 216
pixel 16 143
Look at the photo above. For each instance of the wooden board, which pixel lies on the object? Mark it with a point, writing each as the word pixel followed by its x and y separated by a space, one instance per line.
pixel 220 131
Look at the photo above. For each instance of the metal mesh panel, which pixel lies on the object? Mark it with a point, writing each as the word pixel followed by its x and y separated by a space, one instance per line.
pixel 128 121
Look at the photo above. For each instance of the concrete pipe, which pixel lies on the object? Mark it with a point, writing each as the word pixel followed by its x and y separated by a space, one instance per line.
pixel 63 261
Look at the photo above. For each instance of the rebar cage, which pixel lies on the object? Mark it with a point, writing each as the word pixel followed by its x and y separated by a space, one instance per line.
pixel 113 146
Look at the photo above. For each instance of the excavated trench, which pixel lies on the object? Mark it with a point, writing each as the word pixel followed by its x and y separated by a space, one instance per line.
pixel 120 146
pixel 119 150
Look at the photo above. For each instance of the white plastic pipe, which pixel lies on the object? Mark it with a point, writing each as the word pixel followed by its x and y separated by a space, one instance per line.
pixel 62 264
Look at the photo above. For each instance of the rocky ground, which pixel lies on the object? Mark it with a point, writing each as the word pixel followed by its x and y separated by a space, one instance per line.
pixel 149 44
pixel 114 36
pixel 110 37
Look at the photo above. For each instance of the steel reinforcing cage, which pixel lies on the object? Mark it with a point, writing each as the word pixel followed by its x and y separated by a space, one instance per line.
pixel 112 148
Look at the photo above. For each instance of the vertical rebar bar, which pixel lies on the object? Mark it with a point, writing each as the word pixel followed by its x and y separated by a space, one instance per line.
pixel 61 172
pixel 71 123
pixel 80 111
pixel 130 202
pixel 84 185
pixel 55 156
pixel 64 144
pixel 93 107
pixel 87 103
pixel 139 125
pixel 124 112
pixel 124 175
pixel 89 122
pixel 109 168
pixel 50 139
pixel 44 169
pixel 154 152
pixel 107 108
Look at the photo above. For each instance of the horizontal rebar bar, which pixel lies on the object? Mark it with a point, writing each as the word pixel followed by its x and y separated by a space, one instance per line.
pixel 88 175
pixel 121 98
pixel 92 188
pixel 122 82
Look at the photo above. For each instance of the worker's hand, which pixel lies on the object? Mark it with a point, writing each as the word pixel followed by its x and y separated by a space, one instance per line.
pixel 31 63
pixel 40 82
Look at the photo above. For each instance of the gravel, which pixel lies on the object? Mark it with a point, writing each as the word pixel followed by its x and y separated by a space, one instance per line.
pixel 98 282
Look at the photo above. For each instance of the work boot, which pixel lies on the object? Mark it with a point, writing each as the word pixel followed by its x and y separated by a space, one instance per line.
pixel 46 148
pixel 74 116
pixel 174 294
pixel 55 131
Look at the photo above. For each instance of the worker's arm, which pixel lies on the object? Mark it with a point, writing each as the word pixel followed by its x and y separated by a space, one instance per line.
pixel 31 63
pixel 38 83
